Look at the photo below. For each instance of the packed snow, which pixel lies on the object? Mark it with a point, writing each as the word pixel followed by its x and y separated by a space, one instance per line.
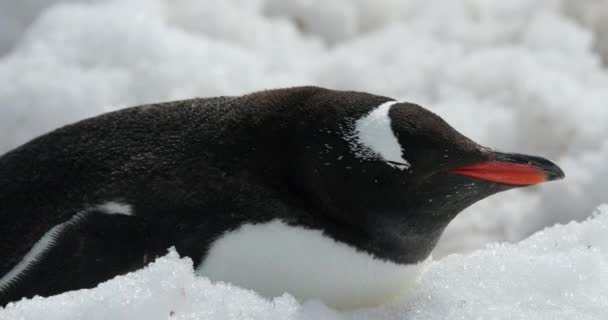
pixel 522 76
pixel 558 273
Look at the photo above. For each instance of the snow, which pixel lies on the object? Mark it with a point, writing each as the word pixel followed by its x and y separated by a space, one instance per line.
pixel 558 273
pixel 523 76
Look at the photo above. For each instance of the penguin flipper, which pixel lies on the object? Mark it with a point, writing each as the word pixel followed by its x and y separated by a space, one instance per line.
pixel 93 246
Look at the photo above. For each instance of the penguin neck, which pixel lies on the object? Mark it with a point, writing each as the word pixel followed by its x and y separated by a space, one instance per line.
pixel 392 242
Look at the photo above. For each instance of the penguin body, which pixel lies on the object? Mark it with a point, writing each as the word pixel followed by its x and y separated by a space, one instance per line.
pixel 324 194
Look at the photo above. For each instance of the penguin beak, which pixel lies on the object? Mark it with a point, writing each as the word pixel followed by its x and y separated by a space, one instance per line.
pixel 513 169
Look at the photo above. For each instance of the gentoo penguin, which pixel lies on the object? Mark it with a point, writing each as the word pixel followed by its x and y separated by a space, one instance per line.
pixel 332 195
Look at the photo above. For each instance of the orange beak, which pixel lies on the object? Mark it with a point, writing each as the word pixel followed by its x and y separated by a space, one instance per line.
pixel 513 169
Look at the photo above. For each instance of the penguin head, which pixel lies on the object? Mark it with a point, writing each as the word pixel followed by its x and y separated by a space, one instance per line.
pixel 401 174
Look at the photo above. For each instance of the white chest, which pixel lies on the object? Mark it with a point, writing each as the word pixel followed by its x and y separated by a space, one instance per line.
pixel 274 258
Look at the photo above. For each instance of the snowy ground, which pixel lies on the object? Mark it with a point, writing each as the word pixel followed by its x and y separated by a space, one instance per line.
pixel 520 75
pixel 558 273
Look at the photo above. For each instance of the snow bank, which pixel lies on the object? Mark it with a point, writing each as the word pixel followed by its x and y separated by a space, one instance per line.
pixel 558 273
pixel 516 75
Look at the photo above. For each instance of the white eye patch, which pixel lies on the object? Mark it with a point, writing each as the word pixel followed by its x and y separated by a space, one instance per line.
pixel 375 138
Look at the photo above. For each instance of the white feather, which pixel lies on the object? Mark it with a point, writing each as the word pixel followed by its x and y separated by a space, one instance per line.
pixel 49 240
pixel 274 258
pixel 112 207
pixel 374 133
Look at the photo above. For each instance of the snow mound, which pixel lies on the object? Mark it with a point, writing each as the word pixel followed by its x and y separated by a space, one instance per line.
pixel 558 273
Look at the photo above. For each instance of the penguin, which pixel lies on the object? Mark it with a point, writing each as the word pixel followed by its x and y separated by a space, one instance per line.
pixel 333 195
